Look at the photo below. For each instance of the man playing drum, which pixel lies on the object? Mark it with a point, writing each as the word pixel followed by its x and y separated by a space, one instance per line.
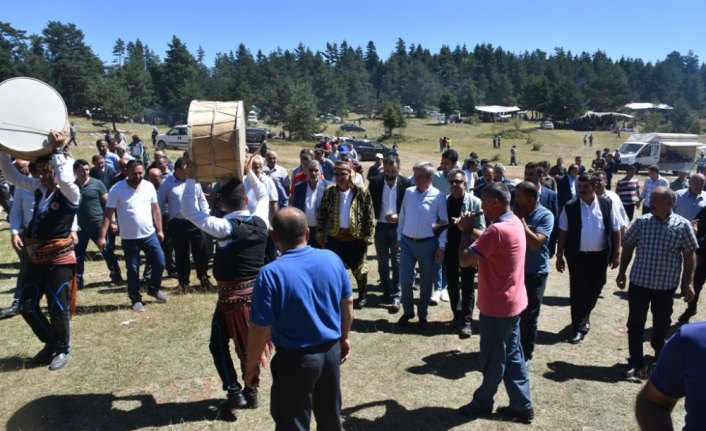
pixel 52 261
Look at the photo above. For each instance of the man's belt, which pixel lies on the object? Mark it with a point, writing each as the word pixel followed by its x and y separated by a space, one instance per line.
pixel 409 238
pixel 57 251
pixel 235 291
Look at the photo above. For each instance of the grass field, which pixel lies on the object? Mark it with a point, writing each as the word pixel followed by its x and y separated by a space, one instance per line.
pixel 153 370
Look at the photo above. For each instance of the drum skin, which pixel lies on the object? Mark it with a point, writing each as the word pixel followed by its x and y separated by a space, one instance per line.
pixel 29 110
pixel 217 139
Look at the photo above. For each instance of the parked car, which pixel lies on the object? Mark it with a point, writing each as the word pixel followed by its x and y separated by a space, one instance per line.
pixel 330 117
pixel 348 127
pixel 177 138
pixel 367 148
pixel 547 125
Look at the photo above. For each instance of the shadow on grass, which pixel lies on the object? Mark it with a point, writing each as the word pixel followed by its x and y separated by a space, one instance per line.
pixel 13 363
pixel 104 308
pixel 396 416
pixel 110 412
pixel 622 294
pixel 556 301
pixel 563 371
pixel 550 338
pixel 391 326
pixel 452 365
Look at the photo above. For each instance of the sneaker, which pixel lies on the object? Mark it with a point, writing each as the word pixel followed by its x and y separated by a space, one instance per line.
pixel 465 332
pixel 11 311
pixel 631 371
pixel 59 361
pixel 44 356
pixel 183 287
pixel 235 400
pixel 158 295
pixel 361 303
pixel 435 297
pixel 138 307
pixel 395 306
pixel 445 295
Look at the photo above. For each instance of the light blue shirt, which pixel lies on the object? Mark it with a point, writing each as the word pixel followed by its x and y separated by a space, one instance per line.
pixel 688 205
pixel 420 211
pixel 169 198
pixel 21 211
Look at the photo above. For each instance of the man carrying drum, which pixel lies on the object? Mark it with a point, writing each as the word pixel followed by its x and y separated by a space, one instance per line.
pixel 52 261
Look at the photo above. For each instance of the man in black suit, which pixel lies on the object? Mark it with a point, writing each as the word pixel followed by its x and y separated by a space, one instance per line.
pixel 307 197
pixel 567 186
pixel 387 191
pixel 102 172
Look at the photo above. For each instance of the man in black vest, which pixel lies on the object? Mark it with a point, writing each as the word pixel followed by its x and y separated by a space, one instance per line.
pixel 589 237
pixel 387 191
pixel 50 249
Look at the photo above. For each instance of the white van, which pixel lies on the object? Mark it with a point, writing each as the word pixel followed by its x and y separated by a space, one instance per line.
pixel 670 151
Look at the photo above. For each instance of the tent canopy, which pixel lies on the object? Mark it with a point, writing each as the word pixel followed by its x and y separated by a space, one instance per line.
pixel 606 114
pixel 497 109
pixel 637 106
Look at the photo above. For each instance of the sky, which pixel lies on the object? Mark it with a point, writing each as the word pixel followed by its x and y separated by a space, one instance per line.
pixel 644 29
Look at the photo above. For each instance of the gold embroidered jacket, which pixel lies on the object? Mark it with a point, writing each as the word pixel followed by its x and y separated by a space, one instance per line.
pixel 362 215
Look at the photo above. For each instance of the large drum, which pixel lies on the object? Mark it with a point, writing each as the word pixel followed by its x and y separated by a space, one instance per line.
pixel 217 139
pixel 29 110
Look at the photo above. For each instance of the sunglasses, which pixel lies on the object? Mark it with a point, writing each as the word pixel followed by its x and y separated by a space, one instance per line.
pixel 456 181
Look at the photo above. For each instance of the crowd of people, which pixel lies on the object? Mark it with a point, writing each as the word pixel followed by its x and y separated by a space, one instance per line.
pixel 269 234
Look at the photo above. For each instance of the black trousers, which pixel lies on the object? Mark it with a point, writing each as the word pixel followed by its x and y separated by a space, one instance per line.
pixel 304 380
pixel 699 280
pixel 640 300
pixel 219 344
pixel 629 210
pixel 188 240
pixel 587 276
pixel 465 291
pixel 52 281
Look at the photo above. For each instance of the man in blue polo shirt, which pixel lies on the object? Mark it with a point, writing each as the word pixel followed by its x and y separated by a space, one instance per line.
pixel 308 314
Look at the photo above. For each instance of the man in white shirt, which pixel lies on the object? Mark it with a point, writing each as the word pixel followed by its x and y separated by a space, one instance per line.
pixel 135 201
pixel 186 238
pixel 277 172
pixel 423 207
pixel 654 180
pixel 618 208
pixel 307 197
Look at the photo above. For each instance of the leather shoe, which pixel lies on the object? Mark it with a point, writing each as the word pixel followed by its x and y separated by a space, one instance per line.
pixel 685 316
pixel 361 302
pixel 525 416
pixel 395 306
pixel 423 323
pixel 465 332
pixel 578 336
pixel 404 320
pixel 471 411
pixel 11 311
pixel 251 398
pixel 631 371
pixel 235 400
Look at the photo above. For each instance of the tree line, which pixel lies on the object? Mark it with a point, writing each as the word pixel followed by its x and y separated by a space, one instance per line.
pixel 294 86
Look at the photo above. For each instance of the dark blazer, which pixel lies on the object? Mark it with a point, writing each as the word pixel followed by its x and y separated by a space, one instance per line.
pixel 299 194
pixel 376 186
pixel 107 177
pixel 563 191
pixel 548 199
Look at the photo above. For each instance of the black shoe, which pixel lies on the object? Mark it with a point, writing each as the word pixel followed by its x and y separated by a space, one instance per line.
pixel 44 356
pixel 423 323
pixel 11 311
pixel 395 307
pixel 465 332
pixel 525 416
pixel 577 338
pixel 235 400
pixel 361 302
pixel 404 320
pixel 471 411
pixel 59 361
pixel 251 398
pixel 631 371
pixel 685 316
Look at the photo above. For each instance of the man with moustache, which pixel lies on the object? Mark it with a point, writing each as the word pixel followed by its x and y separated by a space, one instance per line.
pixel 307 197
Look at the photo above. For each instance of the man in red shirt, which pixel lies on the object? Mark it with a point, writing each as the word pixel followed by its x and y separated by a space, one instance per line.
pixel 499 253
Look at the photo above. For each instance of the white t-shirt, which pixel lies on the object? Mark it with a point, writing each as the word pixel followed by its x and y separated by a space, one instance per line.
pixel 134 208
pixel 252 197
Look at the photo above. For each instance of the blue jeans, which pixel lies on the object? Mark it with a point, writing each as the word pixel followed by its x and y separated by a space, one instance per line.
pixel 535 285
pixel 440 277
pixel 412 252
pixel 154 257
pixel 501 359
pixel 387 253
pixel 91 233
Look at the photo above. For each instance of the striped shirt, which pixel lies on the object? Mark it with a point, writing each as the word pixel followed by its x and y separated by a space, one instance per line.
pixel 658 250
pixel 627 189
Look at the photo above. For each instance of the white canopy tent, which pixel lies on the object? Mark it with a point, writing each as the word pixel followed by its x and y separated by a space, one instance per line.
pixel 497 109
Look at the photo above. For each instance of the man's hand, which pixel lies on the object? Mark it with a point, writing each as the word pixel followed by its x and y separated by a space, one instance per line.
pixel 688 293
pixel 17 243
pixel 160 236
pixel 252 377
pixel 74 237
pixel 615 262
pixel 560 265
pixel 345 349
pixel 465 222
pixel 101 243
pixel 518 212
pixel 57 138
pixel 620 280
pixel 114 227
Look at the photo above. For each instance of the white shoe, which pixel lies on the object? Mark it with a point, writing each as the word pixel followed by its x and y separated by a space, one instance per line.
pixel 435 296
pixel 138 307
pixel 445 295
